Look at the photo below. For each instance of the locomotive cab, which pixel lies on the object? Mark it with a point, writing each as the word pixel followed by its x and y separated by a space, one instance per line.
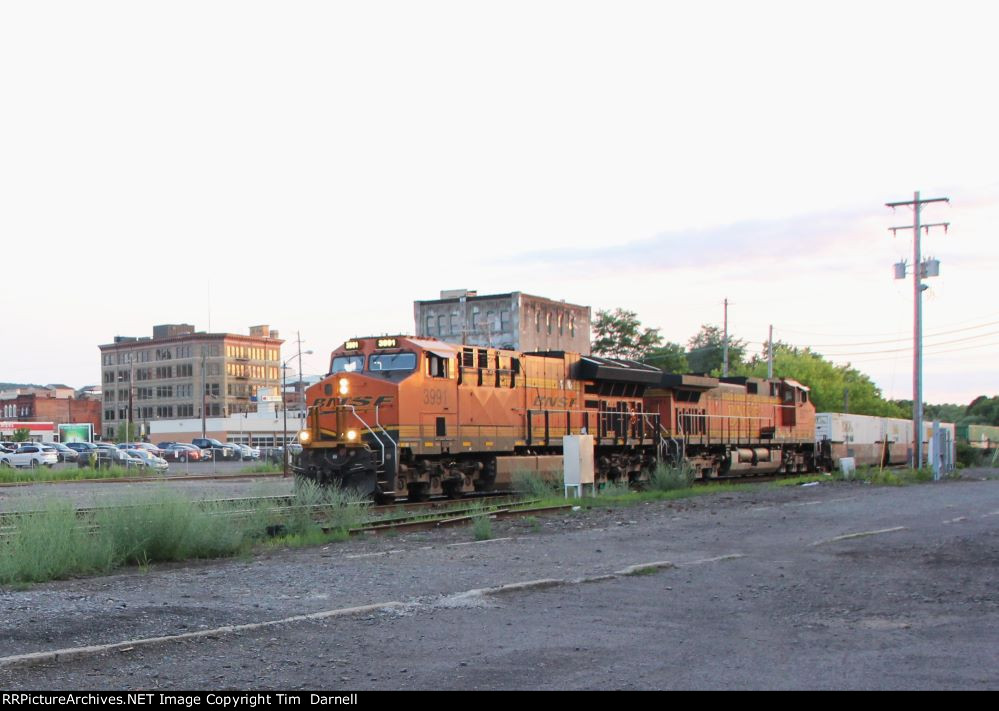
pixel 351 435
pixel 382 398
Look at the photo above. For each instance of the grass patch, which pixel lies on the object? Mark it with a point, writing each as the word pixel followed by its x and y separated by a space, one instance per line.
pixel 483 528
pixel 53 540
pixel 671 478
pixel 262 468
pixel 534 486
pixel 803 479
pixel 887 477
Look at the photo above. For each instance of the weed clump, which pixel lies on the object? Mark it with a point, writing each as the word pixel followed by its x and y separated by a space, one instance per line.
pixel 671 478
pixel 483 528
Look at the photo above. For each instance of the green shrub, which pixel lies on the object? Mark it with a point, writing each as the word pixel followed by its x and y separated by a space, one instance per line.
pixel 483 528
pixel 670 478
pixel 533 485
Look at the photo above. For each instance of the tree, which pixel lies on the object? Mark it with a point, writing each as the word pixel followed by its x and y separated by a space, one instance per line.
pixel 705 351
pixel 126 432
pixel 982 411
pixel 826 380
pixel 22 434
pixel 669 358
pixel 620 335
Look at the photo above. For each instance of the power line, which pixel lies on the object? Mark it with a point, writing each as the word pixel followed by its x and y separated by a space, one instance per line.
pixel 908 349
pixel 788 329
pixel 898 340
pixel 948 350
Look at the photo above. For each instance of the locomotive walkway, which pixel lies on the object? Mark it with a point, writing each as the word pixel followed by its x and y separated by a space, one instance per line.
pixel 841 586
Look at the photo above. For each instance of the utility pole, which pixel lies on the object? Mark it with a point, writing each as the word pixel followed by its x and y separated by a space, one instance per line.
pixel 770 354
pixel 299 389
pixel 725 344
pixel 919 270
pixel 204 430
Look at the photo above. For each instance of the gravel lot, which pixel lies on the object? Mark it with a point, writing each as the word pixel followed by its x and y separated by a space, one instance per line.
pixel 765 593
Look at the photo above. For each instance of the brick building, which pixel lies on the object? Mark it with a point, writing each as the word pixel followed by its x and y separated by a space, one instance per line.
pixel 53 403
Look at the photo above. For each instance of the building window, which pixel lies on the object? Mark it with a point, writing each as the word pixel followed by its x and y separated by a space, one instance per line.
pixel 441 325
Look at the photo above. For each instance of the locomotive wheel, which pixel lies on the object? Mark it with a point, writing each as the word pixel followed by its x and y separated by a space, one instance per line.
pixel 418 490
pixel 452 488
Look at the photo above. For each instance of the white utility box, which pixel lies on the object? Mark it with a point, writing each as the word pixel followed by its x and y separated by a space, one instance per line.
pixel 577 462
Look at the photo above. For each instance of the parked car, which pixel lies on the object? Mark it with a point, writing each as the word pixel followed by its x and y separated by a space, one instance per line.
pixel 65 453
pixel 85 450
pixel 112 456
pixel 248 452
pixel 149 460
pixel 219 450
pixel 30 455
pixel 182 452
pixel 149 447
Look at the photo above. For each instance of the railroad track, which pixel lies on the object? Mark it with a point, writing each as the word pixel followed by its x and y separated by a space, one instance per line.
pixel 422 515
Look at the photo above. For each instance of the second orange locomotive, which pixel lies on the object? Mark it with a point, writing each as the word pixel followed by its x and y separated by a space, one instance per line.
pixel 416 416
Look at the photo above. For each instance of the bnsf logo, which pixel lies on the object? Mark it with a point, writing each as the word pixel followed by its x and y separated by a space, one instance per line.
pixel 565 403
pixel 361 401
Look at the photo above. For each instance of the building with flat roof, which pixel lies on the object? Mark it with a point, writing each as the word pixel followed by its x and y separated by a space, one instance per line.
pixel 182 373
pixel 516 321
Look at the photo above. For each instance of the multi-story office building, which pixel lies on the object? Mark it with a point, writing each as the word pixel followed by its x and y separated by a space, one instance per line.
pixel 180 373
pixel 516 321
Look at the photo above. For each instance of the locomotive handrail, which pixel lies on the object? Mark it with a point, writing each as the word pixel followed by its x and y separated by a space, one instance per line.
pixel 368 428
pixel 394 443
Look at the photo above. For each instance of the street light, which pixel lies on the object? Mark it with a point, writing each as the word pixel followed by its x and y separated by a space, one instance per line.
pixel 284 386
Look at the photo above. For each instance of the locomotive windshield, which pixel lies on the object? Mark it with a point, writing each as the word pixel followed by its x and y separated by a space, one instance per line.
pixel 392 361
pixel 347 364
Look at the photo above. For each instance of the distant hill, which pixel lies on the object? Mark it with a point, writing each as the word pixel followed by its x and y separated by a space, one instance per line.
pixel 10 386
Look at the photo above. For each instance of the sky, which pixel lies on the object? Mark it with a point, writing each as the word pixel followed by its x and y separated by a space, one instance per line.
pixel 318 166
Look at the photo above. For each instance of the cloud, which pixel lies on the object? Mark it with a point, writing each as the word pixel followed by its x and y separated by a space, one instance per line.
pixel 803 236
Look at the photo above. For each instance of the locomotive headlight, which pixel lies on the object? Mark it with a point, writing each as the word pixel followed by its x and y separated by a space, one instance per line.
pixel 344 386
pixel 303 436
pixel 351 435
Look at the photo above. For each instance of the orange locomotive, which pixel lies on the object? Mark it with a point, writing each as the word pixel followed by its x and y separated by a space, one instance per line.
pixel 736 426
pixel 416 416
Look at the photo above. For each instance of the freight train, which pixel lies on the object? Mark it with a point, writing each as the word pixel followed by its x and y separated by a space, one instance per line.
pixel 415 417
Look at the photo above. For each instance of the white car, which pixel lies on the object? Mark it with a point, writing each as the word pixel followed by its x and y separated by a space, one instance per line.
pixel 30 455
